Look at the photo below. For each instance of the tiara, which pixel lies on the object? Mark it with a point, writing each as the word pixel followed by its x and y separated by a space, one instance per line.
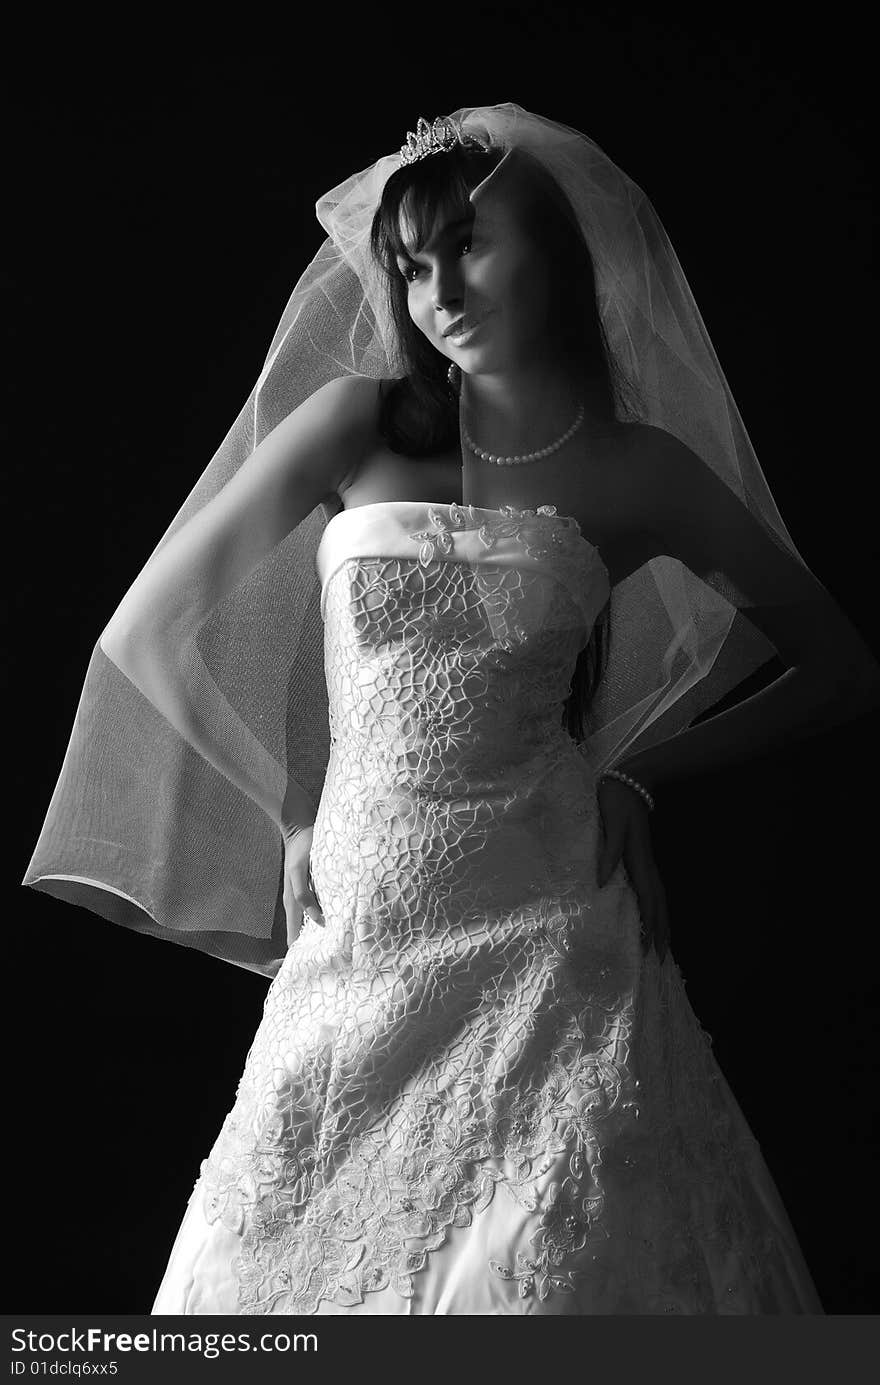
pixel 437 138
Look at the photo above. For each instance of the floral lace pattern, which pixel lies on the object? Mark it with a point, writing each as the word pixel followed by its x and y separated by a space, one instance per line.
pixel 475 1027
pixel 538 539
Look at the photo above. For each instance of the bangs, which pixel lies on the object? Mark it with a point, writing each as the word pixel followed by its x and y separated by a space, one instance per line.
pixel 436 190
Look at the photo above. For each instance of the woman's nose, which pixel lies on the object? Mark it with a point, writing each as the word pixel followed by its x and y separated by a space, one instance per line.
pixel 446 291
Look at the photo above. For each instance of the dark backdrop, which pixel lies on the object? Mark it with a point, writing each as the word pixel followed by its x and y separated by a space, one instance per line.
pixel 162 207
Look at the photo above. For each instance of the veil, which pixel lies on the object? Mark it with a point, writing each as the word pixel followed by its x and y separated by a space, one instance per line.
pixel 146 830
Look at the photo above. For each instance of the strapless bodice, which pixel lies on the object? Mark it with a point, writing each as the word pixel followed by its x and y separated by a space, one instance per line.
pixel 451 637
pixel 472 535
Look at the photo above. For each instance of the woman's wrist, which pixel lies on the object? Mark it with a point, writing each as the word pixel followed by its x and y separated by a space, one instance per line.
pixel 636 770
pixel 292 829
pixel 636 785
pixel 297 811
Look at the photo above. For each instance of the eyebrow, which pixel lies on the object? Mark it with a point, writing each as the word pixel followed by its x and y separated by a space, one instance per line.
pixel 446 231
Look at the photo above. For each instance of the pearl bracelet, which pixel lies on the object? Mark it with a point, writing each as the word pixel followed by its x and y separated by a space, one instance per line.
pixel 633 784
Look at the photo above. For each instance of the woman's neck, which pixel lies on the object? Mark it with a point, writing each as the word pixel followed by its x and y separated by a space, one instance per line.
pixel 515 413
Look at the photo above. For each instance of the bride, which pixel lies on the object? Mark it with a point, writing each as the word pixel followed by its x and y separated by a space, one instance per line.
pixel 478 1086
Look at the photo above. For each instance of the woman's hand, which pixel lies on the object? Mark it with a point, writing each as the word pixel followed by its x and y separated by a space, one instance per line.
pixel 627 834
pixel 298 891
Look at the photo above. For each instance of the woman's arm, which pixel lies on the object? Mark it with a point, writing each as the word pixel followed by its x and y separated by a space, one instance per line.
pixel 152 635
pixel 792 707
pixel 832 674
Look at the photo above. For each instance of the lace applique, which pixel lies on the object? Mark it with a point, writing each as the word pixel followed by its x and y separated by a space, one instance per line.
pixel 309 1232
pixel 356 1230
pixel 476 1015
pixel 540 540
pixel 565 1225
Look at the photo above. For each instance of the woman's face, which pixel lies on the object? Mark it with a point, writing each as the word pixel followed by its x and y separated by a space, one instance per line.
pixel 484 278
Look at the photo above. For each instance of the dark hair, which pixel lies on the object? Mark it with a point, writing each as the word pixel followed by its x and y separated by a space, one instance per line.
pixel 419 413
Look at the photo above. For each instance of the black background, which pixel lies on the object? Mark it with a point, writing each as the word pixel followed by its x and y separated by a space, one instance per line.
pixel 162 195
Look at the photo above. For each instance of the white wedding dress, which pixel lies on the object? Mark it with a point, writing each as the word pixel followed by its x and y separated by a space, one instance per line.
pixel 470 1092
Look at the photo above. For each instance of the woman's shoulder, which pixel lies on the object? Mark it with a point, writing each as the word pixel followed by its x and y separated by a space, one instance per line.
pixel 645 436
pixel 647 451
pixel 378 384
pixel 355 391
pixel 356 396
pixel 348 409
pixel 654 472
pixel 650 440
pixel 353 405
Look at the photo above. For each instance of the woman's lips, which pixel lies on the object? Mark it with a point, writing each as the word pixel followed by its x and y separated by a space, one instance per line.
pixel 463 337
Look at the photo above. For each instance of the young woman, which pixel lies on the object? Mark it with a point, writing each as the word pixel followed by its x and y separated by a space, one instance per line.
pixel 478 1086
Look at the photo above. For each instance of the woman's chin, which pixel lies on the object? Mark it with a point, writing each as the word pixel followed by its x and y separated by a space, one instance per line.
pixel 473 360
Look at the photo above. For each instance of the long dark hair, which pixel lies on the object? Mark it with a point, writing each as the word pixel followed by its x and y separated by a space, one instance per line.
pixel 419 413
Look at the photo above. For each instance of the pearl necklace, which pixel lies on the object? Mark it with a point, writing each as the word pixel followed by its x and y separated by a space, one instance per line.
pixel 529 456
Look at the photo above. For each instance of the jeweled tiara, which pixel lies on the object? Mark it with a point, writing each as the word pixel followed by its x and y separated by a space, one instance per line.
pixel 436 138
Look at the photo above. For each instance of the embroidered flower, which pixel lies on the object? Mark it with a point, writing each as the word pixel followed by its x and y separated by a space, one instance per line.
pixel 535 1273
pixel 564 1224
pixel 540 539
pixel 523 1124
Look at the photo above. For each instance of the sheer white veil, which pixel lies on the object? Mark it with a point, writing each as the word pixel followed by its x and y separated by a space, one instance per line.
pixel 141 828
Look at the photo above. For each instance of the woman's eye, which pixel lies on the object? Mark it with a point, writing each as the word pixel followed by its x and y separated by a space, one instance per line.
pixel 411 271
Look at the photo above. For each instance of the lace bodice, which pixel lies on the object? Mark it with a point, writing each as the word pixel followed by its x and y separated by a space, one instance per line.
pixel 451 636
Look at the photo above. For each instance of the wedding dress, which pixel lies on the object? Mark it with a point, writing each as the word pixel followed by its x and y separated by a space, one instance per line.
pixel 470 1092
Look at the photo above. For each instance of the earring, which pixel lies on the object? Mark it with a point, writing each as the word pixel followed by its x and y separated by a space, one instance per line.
pixel 453 375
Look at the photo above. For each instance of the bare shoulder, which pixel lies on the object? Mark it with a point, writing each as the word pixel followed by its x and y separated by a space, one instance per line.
pixel 354 400
pixel 657 452
pixel 371 451
pixel 357 396
pixel 341 409
pixel 619 501
pixel 649 443
pixel 619 485
pixel 341 416
pixel 658 468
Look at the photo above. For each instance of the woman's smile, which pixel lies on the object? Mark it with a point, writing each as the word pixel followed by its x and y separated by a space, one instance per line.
pixel 463 337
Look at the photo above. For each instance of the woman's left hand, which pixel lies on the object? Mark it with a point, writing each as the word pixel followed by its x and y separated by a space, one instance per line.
pixel 627 835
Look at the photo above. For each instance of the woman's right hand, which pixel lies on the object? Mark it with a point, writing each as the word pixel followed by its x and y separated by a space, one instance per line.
pixel 298 892
pixel 626 836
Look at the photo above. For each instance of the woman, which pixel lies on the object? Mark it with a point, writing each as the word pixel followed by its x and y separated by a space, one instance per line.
pixel 478 1086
